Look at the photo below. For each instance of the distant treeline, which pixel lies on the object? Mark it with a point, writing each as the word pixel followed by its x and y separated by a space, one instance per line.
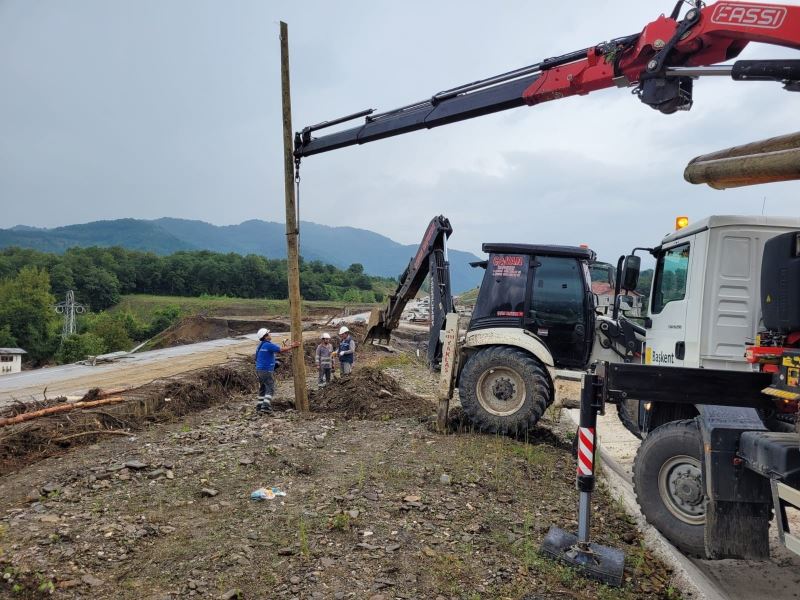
pixel 100 275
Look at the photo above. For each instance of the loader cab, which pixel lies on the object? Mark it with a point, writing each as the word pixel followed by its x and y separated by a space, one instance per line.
pixel 544 290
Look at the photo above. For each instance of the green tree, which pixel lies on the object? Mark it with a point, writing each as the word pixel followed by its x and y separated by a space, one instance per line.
pixel 111 330
pixel 78 346
pixel 356 269
pixel 7 339
pixel 351 295
pixel 163 318
pixel 26 311
pixel 99 288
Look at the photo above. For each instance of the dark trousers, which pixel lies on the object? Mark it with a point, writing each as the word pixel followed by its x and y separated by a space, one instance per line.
pixel 266 383
pixel 324 374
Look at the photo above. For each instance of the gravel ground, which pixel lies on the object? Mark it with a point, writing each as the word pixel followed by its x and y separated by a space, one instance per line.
pixel 374 508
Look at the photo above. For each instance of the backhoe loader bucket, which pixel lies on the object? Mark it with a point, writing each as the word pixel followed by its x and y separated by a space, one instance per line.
pixel 376 328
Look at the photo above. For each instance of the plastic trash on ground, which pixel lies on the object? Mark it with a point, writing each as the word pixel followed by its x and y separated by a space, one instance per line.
pixel 266 493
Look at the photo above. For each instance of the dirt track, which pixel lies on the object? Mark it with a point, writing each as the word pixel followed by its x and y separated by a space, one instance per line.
pixel 136 370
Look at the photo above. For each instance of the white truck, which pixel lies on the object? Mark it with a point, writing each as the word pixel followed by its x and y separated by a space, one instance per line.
pixel 704 311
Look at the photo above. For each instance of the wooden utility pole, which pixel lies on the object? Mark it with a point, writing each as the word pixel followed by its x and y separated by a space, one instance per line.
pixel 292 231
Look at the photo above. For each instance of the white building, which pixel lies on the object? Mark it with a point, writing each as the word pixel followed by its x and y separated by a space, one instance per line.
pixel 11 360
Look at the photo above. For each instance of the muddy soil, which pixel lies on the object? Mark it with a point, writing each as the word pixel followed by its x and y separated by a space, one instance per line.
pixel 199 328
pixel 375 507
pixel 369 393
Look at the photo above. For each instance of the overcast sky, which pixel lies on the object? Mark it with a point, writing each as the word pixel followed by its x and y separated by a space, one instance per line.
pixel 152 108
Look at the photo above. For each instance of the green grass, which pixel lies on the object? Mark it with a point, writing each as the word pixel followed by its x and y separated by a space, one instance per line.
pixel 398 360
pixel 469 297
pixel 143 306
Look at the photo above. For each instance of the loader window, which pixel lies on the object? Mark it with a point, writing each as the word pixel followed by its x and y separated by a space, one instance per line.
pixel 672 269
pixel 558 290
pixel 502 293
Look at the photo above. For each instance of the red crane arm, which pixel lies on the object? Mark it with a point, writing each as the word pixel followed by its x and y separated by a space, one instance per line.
pixel 661 62
pixel 712 34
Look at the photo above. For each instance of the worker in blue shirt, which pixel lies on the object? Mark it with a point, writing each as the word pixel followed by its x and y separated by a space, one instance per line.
pixel 347 351
pixel 265 368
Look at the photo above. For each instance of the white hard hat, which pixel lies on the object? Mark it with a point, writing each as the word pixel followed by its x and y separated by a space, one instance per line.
pixel 326 336
pixel 343 330
pixel 262 332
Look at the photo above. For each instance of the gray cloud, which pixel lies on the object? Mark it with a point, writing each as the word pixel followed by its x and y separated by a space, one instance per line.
pixel 146 109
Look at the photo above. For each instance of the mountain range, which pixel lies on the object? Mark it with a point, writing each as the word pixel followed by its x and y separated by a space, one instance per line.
pixel 339 246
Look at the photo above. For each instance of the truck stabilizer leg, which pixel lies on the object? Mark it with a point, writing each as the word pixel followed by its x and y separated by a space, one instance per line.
pixel 595 561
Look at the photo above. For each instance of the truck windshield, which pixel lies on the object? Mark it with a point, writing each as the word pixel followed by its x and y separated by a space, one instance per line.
pixel 670 279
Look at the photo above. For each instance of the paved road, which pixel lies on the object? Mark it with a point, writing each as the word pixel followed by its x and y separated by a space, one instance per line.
pixel 776 579
pixel 131 371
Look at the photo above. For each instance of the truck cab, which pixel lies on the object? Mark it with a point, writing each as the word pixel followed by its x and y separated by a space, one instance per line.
pixel 704 302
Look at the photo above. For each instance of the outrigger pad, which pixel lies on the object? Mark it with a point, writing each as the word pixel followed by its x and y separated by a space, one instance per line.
pixel 598 562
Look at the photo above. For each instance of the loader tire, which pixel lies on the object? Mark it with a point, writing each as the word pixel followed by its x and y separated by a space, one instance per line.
pixel 628 413
pixel 504 390
pixel 667 481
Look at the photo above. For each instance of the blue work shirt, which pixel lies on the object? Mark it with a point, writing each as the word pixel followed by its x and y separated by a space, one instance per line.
pixel 265 356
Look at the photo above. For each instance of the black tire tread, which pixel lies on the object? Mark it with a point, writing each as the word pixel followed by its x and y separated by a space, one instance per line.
pixel 541 395
pixel 696 547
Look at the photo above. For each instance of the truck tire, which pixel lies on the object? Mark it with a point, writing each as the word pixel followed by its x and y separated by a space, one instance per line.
pixel 504 390
pixel 628 413
pixel 667 480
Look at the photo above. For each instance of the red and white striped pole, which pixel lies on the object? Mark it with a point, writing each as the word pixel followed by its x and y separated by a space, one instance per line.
pixel 585 450
pixel 586 454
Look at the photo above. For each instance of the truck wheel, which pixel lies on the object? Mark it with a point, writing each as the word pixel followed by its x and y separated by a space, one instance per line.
pixel 504 390
pixel 628 412
pixel 668 482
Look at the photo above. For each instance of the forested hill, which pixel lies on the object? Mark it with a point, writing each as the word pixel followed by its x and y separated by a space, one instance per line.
pixel 338 246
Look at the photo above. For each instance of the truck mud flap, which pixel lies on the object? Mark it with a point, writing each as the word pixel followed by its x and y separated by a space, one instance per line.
pixel 739 502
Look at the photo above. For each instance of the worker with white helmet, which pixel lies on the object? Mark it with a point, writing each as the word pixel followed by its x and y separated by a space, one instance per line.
pixel 323 358
pixel 265 368
pixel 347 350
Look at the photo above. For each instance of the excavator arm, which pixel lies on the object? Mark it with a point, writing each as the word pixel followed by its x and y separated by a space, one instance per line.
pixel 660 63
pixel 430 258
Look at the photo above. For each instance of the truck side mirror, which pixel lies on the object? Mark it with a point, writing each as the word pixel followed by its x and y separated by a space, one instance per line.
pixel 630 272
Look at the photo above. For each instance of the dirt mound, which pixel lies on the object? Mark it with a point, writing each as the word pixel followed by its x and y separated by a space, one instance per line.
pixel 199 328
pixel 369 394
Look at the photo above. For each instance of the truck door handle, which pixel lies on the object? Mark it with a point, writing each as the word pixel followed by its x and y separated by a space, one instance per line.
pixel 680 350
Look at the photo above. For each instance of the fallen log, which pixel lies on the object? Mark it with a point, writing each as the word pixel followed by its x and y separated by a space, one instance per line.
pixel 53 410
